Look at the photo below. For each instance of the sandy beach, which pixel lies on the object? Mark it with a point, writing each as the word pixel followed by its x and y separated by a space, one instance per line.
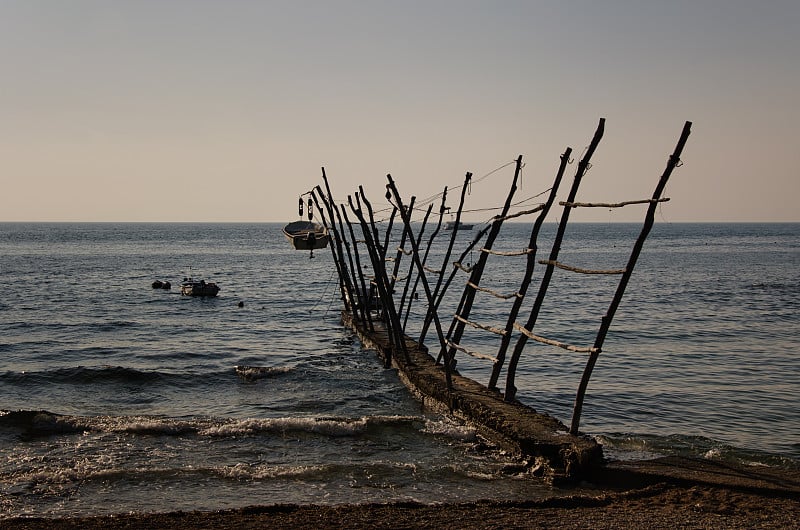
pixel 663 493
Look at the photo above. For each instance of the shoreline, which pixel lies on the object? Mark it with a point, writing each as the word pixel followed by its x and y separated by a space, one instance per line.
pixel 661 493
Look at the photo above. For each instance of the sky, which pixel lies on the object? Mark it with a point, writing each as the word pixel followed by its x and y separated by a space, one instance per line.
pixel 191 111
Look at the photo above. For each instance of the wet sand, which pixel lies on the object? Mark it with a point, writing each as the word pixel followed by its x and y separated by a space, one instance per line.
pixel 663 493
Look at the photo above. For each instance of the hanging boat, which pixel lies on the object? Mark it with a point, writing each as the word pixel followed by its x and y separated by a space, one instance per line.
pixel 306 235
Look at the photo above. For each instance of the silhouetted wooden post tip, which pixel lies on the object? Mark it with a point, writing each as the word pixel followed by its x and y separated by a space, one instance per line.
pixel 543 441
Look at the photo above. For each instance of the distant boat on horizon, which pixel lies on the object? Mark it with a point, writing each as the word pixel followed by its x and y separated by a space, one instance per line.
pixel 451 225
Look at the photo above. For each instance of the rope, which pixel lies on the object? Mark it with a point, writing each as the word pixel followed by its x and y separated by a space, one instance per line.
pixel 576 269
pixel 551 342
pixel 494 293
pixel 491 329
pixel 324 293
pixel 432 271
pixel 471 353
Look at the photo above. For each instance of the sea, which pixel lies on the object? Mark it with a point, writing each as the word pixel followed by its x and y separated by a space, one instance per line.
pixel 117 397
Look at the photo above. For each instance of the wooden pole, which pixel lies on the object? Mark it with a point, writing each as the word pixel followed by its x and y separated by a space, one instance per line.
pixel 344 275
pixel 354 273
pixel 477 270
pixel 407 285
pixel 399 254
pixel 478 236
pixel 526 280
pixel 672 163
pixel 415 254
pixel 425 260
pixel 437 295
pixel 390 311
pixel 363 294
pixel 380 273
pixel 583 165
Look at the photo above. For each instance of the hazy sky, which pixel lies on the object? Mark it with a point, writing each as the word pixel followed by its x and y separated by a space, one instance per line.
pixel 225 111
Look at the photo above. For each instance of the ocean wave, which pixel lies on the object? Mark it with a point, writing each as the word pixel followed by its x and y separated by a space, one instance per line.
pixel 43 423
pixel 253 373
pixel 627 446
pixel 85 375
pixel 332 427
pixel 446 427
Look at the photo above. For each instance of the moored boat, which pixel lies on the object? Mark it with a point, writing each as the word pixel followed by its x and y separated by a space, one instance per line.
pixel 192 287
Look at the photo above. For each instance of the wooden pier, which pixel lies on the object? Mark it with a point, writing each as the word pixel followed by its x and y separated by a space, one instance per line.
pixel 377 305
pixel 541 440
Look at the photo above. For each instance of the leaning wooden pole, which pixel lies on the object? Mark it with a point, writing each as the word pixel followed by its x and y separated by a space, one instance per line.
pixel 672 163
pixel 415 255
pixel 583 166
pixel 336 247
pixel 330 230
pixel 530 263
pixel 398 257
pixel 425 260
pixel 438 292
pixel 388 294
pixel 402 313
pixel 377 265
pixel 363 294
pixel 477 270
pixel 458 265
pixel 388 235
pixel 354 272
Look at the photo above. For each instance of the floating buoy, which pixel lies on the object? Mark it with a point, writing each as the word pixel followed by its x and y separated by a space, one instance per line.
pixel 158 284
pixel 240 304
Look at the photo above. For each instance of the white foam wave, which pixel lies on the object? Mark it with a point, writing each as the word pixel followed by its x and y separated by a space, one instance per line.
pixel 252 373
pixel 329 427
pixel 446 427
pixel 261 472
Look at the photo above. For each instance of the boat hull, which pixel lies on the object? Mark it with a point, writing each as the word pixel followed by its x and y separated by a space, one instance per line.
pixel 305 235
pixel 199 289
pixel 451 225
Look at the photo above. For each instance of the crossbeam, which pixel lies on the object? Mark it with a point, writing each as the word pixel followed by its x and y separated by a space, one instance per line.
pixel 579 270
pixel 491 329
pixel 475 354
pixel 610 204
pixel 552 342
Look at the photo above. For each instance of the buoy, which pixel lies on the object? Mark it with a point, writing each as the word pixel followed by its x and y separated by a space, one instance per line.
pixel 241 304
pixel 157 284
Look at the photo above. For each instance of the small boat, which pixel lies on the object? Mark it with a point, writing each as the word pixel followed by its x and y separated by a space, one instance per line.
pixel 306 235
pixel 450 225
pixel 192 287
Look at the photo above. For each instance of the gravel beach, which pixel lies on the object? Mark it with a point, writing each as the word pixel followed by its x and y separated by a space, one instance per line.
pixel 662 493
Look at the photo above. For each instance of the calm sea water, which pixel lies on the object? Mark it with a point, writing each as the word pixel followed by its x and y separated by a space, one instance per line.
pixel 118 397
